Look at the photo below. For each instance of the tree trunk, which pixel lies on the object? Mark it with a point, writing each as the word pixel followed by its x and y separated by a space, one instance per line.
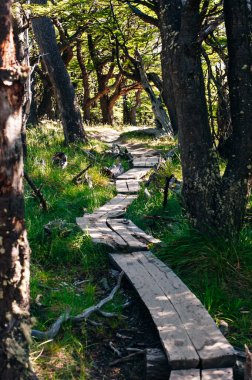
pixel 59 77
pixel 238 21
pixel 129 110
pixel 14 248
pixel 107 110
pixel 168 93
pixel 85 82
pixel 214 203
pixel 161 118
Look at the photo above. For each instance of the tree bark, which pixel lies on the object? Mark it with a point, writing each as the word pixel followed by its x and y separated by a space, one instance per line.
pixel 70 114
pixel 238 21
pixel 85 82
pixel 214 203
pixel 14 248
pixel 129 110
pixel 160 114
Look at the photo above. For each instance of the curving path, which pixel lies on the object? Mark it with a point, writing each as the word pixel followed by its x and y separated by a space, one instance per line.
pixel 194 346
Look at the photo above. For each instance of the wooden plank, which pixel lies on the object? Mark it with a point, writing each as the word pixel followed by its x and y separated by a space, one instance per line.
pixel 178 347
pixel 217 374
pixel 127 186
pixel 121 186
pixel 135 173
pixel 140 234
pixel 127 227
pixel 101 233
pixel 120 228
pixel 117 204
pixel 145 161
pixel 212 347
pixel 133 186
pixel 189 374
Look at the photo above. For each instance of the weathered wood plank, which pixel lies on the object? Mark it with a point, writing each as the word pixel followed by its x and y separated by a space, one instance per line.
pixel 121 229
pixel 117 204
pixel 189 374
pixel 133 185
pixel 178 347
pixel 129 231
pixel 212 347
pixel 217 374
pixel 121 186
pixel 140 234
pixel 127 186
pixel 144 161
pixel 135 173
pixel 101 233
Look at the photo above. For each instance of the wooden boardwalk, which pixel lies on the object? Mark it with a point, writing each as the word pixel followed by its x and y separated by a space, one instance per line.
pixel 194 346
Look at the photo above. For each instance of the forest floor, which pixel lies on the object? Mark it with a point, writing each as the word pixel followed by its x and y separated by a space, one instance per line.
pixel 69 271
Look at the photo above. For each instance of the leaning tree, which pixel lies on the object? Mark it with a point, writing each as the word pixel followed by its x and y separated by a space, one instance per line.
pixel 14 248
pixel 62 86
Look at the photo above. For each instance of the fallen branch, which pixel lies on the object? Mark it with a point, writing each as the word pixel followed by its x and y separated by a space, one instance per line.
pixel 115 350
pixel 111 315
pixel 78 176
pixel 54 329
pixel 37 191
pixel 127 358
pixel 103 302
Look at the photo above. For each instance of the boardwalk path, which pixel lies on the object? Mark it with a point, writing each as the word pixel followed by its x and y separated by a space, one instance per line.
pixel 194 346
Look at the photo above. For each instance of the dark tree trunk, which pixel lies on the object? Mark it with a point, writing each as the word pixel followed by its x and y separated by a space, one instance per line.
pixel 238 20
pixel 129 110
pixel 126 111
pixel 46 108
pixel 214 203
pixel 14 248
pixel 59 77
pixel 85 82
pixel 167 93
pixel 106 114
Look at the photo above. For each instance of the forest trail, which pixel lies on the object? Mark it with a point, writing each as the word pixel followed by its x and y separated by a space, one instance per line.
pixel 189 336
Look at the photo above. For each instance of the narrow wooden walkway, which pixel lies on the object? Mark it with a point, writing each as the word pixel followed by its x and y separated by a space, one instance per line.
pixel 194 346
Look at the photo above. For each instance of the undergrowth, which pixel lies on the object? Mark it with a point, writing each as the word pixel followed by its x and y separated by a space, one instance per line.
pixel 217 271
pixel 64 256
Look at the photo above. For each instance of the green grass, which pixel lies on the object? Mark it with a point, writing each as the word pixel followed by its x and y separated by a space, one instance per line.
pixel 66 255
pixel 219 272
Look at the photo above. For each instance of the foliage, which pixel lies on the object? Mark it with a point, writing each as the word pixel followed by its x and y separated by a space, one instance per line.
pixel 60 260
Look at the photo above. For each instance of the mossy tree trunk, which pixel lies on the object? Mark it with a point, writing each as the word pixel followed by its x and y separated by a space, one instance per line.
pixel 215 203
pixel 14 248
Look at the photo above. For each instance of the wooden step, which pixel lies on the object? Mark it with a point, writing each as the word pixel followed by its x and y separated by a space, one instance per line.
pixel 217 374
pixel 117 205
pixel 135 173
pixel 207 374
pixel 188 333
pixel 127 186
pixel 177 345
pixel 144 161
pixel 131 234
pixel 189 374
